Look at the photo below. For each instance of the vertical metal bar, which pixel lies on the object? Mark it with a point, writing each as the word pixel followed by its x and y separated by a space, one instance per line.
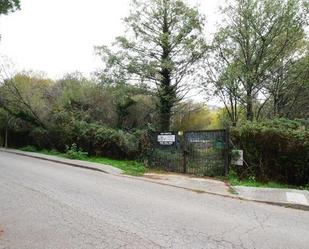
pixel 226 151
pixel 184 153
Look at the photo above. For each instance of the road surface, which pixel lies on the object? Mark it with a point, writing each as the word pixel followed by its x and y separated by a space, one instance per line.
pixel 45 205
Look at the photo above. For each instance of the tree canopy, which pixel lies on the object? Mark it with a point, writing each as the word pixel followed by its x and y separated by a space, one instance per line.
pixel 8 6
pixel 253 50
pixel 161 48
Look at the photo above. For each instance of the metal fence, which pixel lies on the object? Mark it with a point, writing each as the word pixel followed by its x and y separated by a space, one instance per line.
pixel 203 153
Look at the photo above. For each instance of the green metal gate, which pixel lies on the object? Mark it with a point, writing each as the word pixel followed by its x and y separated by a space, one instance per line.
pixel 203 153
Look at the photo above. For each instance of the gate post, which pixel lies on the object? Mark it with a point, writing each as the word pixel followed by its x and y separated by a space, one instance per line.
pixel 184 153
pixel 226 152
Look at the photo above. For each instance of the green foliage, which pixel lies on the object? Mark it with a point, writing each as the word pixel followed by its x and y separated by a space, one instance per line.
pixel 190 116
pixel 40 137
pixel 23 97
pixel 73 152
pixel 162 46
pixel 260 48
pixel 251 181
pixel 117 140
pixel 128 166
pixel 29 148
pixel 75 110
pixel 275 150
pixel 7 6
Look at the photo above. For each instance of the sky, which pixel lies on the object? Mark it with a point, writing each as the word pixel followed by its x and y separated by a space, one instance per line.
pixel 58 36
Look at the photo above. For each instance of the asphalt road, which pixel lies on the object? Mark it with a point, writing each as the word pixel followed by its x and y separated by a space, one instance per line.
pixel 48 205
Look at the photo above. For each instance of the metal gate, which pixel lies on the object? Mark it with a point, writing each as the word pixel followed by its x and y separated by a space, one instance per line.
pixel 203 153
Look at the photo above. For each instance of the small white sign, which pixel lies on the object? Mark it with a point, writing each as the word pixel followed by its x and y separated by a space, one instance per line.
pixel 166 139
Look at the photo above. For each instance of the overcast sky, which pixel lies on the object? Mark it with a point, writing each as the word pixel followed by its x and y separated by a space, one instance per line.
pixel 58 36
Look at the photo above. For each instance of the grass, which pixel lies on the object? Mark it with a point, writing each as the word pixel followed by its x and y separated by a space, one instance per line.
pixel 138 169
pixel 251 182
pixel 129 167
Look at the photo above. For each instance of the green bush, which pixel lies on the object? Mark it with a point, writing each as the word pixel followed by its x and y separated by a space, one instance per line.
pixel 275 150
pixel 73 152
pixel 96 139
pixel 29 148
pixel 39 137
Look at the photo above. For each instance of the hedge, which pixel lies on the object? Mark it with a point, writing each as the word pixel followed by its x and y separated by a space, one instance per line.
pixel 276 150
pixel 93 138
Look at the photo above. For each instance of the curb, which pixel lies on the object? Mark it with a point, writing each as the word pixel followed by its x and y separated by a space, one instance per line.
pixel 281 204
pixel 55 161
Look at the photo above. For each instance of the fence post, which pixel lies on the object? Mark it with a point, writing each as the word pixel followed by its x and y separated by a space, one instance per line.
pixel 184 162
pixel 184 153
pixel 226 152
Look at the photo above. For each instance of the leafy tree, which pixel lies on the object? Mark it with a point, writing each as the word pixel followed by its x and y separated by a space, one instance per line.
pixel 7 6
pixel 227 86
pixel 256 41
pixel 163 44
pixel 75 97
pixel 194 116
pixel 289 92
pixel 127 99
pixel 23 97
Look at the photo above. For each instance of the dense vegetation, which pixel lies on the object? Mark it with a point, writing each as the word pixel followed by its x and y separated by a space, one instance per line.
pixel 101 119
pixel 257 64
pixel 275 150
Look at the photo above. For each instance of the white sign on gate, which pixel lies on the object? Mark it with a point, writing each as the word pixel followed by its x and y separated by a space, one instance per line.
pixel 166 139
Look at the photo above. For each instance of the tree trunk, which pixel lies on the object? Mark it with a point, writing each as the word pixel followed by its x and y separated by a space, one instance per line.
pixel 275 111
pixel 167 93
pixel 165 120
pixel 167 100
pixel 249 110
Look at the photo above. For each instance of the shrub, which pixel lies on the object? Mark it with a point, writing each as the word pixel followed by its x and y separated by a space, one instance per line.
pixel 73 152
pixel 96 139
pixel 29 148
pixel 100 140
pixel 276 150
pixel 39 138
